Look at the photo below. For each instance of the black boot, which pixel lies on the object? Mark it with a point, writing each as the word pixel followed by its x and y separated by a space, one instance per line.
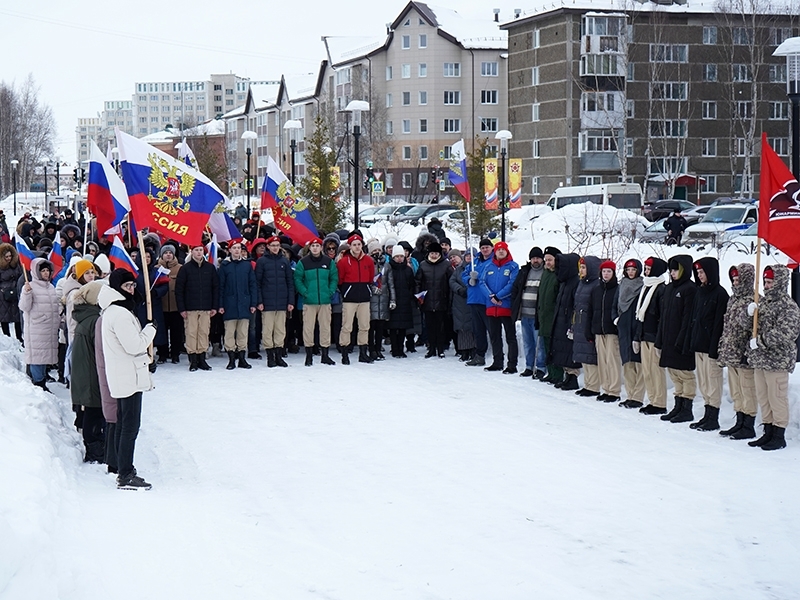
pixel 193 362
pixel 363 355
pixel 675 409
pixel 476 361
pixel 345 355
pixel 243 364
pixel 201 362
pixel 271 357
pixel 747 431
pixel 764 438
pixel 737 426
pixel 309 357
pixel 326 359
pixel 711 421
pixel 570 383
pixel 279 354
pixel 231 361
pixel 686 414
pixel 701 422
pixel 778 439
pixel 42 384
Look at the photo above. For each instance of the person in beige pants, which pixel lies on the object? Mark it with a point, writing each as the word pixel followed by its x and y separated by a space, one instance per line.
pixel 648 316
pixel 624 313
pixel 605 333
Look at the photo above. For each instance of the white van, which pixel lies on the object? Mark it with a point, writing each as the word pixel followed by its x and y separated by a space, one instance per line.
pixel 618 195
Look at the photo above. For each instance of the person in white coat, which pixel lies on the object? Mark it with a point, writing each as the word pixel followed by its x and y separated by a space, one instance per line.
pixel 125 344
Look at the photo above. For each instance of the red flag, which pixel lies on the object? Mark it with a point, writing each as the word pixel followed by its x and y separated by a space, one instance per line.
pixel 779 203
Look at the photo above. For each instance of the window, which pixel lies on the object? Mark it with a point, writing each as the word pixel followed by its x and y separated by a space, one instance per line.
pixel 669 90
pixel 672 128
pixel 669 53
pixel 422 179
pixel 631 71
pixel 535 111
pixel 389 157
pixel 423 98
pixel 709 109
pixel 389 128
pixel 142 109
pixel 142 98
pixel 741 73
pixel 598 140
pixel 165 109
pixel 452 125
pixel 630 109
pixel 423 153
pixel 488 96
pixel 389 180
pixel 423 40
pixel 406 42
pixel 447 152
pixel 777 73
pixel 628 146
pixel 165 119
pixel 406 98
pixel 741 185
pixel 405 71
pixel 709 72
pixel 597 101
pixel 600 64
pixel 778 111
pixel 406 152
pixel 407 180
pixel 590 180
pixel 218 98
pixel 534 75
pixel 165 97
pixel 153 98
pixel 406 125
pixel 452 97
pixel 142 119
pixel 741 36
pixel 744 108
pixel 423 125
pixel 217 87
pixel 452 69
pixel 709 35
pixel 740 147
pixel 709 147
pixel 780 145
pixel 423 69
pixel 229 92
pixel 229 102
pixel 488 124
pixel 489 69
pixel 668 164
pixel 388 100
pixel 778 35
pixel 535 181
pixel 536 147
pixel 710 185
pixel 536 38
pixel 602 25
pixel 388 73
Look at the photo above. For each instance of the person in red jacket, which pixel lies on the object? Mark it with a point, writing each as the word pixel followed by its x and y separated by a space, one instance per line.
pixel 356 271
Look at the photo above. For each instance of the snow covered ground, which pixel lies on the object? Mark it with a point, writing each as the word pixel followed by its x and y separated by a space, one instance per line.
pixel 412 479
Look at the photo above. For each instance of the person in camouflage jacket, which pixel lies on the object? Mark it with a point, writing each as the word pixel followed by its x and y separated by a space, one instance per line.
pixel 773 354
pixel 736 331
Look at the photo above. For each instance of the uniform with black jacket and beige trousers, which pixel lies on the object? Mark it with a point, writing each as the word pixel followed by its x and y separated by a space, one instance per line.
pixel 648 316
pixel 604 333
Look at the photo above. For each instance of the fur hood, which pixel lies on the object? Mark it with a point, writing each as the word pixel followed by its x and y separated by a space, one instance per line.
pixel 14 258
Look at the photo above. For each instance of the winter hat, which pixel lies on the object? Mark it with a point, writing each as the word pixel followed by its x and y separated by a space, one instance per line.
pixel 256 242
pixel 355 237
pixel 398 250
pixel 167 248
pixel 272 239
pixel 535 252
pixel 769 273
pixel 76 258
pixel 733 272
pixel 446 240
pixel 389 241
pixel 315 240
pixel 501 246
pixel 453 252
pixel 82 266
pixel 118 277
pixel 434 247
pixel 343 247
pixel 608 264
pixel 649 262
pixel 552 251
pixel 103 264
pixel 90 292
pixel 485 242
pixel 581 261
pixel 405 246
pixel 631 263
pixel 373 246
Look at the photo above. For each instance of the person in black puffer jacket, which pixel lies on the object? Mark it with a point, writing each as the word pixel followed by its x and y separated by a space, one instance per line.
pixel 673 332
pixel 604 332
pixel 197 297
pixel 584 351
pixel 275 287
pixel 401 285
pixel 648 315
pixel 433 278
pixel 624 313
pixel 561 350
pixel 708 316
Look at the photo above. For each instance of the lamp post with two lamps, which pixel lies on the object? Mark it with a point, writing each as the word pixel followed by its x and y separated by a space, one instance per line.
pixel 248 136
pixel 292 126
pixel 14 164
pixel 503 135
pixel 356 107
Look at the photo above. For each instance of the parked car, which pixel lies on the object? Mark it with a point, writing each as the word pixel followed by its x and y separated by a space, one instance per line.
pixel 719 219
pixel 664 208
pixel 417 214
pixel 655 233
pixel 694 215
pixel 364 211
pixel 383 213
pixel 744 239
pixel 440 214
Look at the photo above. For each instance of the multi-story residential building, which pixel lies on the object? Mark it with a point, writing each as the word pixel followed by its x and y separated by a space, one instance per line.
pixel 671 96
pixel 88 128
pixel 116 113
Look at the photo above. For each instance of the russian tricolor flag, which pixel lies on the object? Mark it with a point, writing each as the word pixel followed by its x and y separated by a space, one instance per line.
pixel 106 197
pixel 221 225
pixel 26 255
pixel 279 195
pixel 213 251
pixel 56 258
pixel 458 168
pixel 120 258
pixel 162 276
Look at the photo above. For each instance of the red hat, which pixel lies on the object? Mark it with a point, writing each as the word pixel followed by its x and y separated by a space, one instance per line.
pixel 649 262
pixel 502 245
pixel 315 240
pixel 355 237
pixel 255 243
pixel 631 262
pixel 273 238
pixel 581 261
pixel 608 264
pixel 769 273
pixel 733 272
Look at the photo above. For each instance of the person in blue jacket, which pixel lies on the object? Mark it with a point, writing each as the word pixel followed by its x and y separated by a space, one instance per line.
pixel 497 281
pixel 275 284
pixel 476 301
pixel 238 299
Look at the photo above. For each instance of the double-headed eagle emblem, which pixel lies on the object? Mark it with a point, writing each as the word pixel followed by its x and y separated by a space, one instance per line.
pixel 173 186
pixel 288 203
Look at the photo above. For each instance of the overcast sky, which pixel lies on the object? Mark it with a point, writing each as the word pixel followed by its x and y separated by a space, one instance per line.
pixel 84 52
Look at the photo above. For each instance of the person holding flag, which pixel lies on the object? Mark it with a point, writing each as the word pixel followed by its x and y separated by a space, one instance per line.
pixel 41 308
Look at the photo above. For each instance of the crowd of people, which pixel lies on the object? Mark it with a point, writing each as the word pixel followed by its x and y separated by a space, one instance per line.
pixel 342 294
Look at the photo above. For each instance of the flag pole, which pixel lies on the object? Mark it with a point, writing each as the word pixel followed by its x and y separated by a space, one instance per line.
pixel 147 296
pixel 469 239
pixel 755 293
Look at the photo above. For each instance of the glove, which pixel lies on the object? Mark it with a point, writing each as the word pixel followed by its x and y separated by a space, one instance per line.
pixel 637 347
pixel 753 342
pixel 751 309
pixel 153 325
pixel 473 278
pixel 392 305
pixel 570 335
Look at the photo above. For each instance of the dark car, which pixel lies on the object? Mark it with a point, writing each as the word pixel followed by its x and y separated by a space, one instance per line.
pixel 418 214
pixel 664 208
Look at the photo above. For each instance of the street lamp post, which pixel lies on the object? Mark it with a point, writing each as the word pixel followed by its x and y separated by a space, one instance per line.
pixel 58 178
pixel 292 126
pixel 115 154
pixel 356 107
pixel 503 135
pixel 14 164
pixel 247 136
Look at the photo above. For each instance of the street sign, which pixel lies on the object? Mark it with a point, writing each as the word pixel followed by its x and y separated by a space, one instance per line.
pixel 378 189
pixel 441 185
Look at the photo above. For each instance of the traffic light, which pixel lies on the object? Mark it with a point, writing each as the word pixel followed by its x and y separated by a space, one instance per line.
pixel 366 182
pixel 370 175
pixel 75 175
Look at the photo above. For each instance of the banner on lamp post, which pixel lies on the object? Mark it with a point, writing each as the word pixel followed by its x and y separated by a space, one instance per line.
pixel 490 183
pixel 515 183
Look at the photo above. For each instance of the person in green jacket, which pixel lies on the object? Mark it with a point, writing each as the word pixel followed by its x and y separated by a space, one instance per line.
pixel 316 280
pixel 546 310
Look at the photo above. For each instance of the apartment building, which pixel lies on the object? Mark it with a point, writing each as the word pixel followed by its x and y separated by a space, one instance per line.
pixel 671 96
pixel 88 128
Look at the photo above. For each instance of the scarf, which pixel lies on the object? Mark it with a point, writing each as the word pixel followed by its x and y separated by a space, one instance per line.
pixel 649 285
pixel 628 292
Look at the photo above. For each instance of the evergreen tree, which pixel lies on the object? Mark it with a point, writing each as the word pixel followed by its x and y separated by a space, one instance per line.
pixel 210 162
